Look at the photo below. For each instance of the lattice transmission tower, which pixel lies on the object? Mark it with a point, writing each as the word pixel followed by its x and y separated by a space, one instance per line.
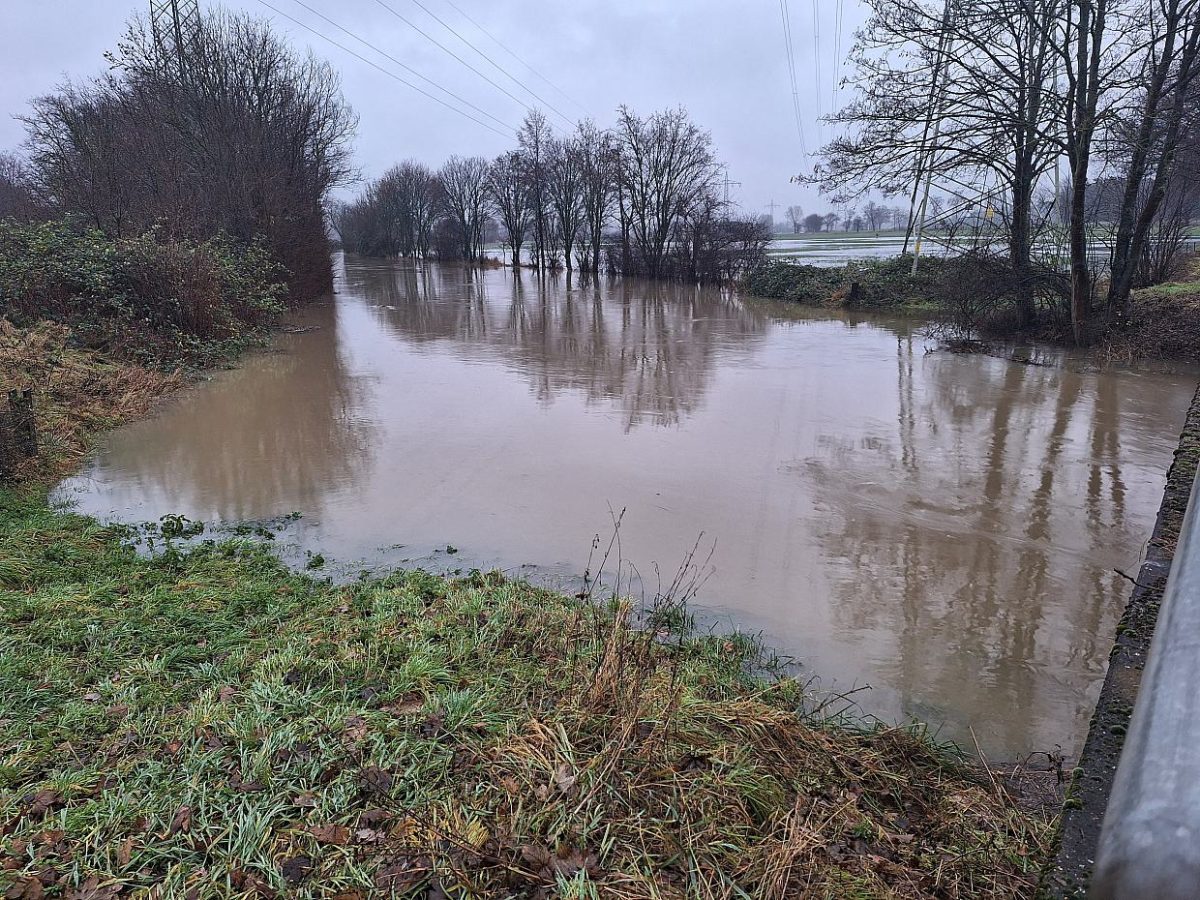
pixel 175 25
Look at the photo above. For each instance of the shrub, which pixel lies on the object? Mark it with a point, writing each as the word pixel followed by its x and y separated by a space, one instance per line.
pixel 153 300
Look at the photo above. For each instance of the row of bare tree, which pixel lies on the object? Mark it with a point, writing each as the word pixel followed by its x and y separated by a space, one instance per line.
pixel 985 97
pixel 640 198
pixel 229 133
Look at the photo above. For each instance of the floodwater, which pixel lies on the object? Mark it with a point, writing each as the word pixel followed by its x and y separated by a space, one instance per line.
pixel 942 527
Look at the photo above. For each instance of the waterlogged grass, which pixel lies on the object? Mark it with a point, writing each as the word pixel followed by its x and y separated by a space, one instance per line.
pixel 205 723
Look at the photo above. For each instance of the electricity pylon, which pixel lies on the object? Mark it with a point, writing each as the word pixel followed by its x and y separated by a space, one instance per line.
pixel 175 25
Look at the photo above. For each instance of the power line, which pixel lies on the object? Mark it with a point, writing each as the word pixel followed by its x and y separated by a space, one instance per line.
pixel 402 65
pixel 837 54
pixel 494 64
pixel 817 64
pixel 447 50
pixel 791 59
pixel 386 72
pixel 519 59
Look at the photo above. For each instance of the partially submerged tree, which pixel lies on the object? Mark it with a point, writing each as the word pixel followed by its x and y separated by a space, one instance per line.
pixel 509 190
pixel 464 182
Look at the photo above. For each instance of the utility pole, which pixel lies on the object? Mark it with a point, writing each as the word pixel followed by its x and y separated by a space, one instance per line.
pixel 727 184
pixel 175 25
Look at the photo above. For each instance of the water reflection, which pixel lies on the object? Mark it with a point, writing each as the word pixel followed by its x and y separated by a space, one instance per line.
pixel 942 527
pixel 287 426
pixel 649 347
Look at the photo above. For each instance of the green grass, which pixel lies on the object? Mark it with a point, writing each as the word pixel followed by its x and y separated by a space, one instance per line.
pixel 206 723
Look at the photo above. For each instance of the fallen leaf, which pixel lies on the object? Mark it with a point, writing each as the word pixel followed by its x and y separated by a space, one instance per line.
pixel 375 780
pixel 307 800
pixel 565 779
pixel 181 822
pixel 92 696
pixel 92 889
pixel 28 889
pixel 42 802
pixel 401 876
pixel 356 728
pixel 406 706
pixel 296 868
pixel 226 694
pixel 125 852
pixel 338 835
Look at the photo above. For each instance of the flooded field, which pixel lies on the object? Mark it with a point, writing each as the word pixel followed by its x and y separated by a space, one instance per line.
pixel 944 528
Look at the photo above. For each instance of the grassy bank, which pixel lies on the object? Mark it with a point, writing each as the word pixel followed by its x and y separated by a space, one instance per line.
pixel 882 284
pixel 1163 323
pixel 974 296
pixel 205 723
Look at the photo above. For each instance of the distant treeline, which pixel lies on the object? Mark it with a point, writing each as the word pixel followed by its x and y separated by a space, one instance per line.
pixel 232 136
pixel 641 198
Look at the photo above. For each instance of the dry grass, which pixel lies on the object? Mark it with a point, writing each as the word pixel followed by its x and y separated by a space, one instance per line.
pixel 77 392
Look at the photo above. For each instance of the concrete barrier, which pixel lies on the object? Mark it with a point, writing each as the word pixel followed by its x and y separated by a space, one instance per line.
pixel 1150 841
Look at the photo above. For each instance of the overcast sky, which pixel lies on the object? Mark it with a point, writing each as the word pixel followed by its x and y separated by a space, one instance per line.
pixel 725 62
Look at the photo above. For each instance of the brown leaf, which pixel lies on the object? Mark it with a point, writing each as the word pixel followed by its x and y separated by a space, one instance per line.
pixel 356 728
pixel 125 852
pixel 374 780
pixel 338 835
pixel 406 706
pixel 296 868
pixel 226 694
pixel 92 696
pixel 307 800
pixel 92 889
pixel 119 711
pixel 181 822
pixel 42 802
pixel 400 876
pixel 28 889
pixel 372 817
pixel 564 779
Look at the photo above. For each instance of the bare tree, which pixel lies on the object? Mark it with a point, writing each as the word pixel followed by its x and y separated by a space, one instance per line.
pixel 875 216
pixel 814 222
pixel 565 187
pixel 534 139
pixel 245 139
pixel 795 215
pixel 18 193
pixel 960 92
pixel 509 188
pixel 601 167
pixel 1152 137
pixel 667 166
pixel 464 183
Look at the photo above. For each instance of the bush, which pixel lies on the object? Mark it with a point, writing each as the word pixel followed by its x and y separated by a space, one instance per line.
pixel 870 284
pixel 152 300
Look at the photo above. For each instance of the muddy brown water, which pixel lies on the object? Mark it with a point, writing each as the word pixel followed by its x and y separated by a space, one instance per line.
pixel 943 528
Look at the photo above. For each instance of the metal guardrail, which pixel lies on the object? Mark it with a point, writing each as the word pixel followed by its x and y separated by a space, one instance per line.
pixel 1150 841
